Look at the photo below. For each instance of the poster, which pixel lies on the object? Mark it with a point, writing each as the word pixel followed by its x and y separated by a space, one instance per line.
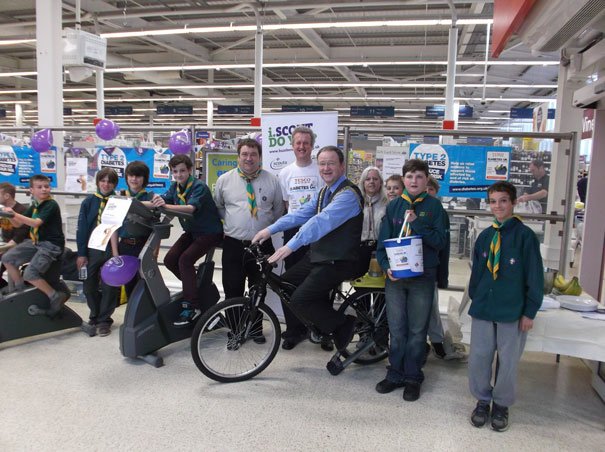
pixel 462 170
pixel 76 175
pixel 218 163
pixel 390 159
pixel 277 135
pixel 19 163
pixel 358 161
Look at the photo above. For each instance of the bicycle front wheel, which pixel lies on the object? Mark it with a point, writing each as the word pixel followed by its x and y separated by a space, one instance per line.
pixel 371 325
pixel 231 344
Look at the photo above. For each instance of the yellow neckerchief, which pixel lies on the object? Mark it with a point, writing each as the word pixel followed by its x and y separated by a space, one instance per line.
pixel 136 195
pixel 250 190
pixel 33 232
pixel 182 194
pixel 406 195
pixel 493 260
pixel 103 199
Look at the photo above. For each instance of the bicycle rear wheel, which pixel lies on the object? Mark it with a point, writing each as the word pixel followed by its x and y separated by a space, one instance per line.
pixel 371 325
pixel 226 344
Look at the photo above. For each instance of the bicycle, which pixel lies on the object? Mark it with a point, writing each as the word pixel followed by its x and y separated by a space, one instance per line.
pixel 238 338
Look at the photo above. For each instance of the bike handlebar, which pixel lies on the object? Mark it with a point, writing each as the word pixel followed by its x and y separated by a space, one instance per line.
pixel 4 214
pixel 258 254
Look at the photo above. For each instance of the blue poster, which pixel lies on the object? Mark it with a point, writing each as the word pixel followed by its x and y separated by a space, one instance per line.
pixel 19 163
pixel 118 158
pixel 464 171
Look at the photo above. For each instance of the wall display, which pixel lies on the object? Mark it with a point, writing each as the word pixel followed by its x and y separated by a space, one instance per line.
pixel 76 175
pixel 218 163
pixel 464 171
pixel 19 163
pixel 277 135
pixel 357 162
pixel 119 157
pixel 390 159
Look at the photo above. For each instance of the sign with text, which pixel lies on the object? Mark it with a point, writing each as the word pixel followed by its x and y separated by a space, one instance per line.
pixel 174 109
pixel 218 163
pixel 277 131
pixel 297 108
pixel 235 110
pixel 119 110
pixel 372 111
pixel 19 163
pixel 438 111
pixel 464 171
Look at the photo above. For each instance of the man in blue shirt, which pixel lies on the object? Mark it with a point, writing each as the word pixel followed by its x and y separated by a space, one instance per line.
pixel 331 225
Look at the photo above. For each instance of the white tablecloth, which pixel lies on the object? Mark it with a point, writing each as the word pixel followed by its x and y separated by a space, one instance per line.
pixel 559 331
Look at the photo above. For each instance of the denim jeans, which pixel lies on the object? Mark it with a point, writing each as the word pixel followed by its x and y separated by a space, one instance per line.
pixel 409 303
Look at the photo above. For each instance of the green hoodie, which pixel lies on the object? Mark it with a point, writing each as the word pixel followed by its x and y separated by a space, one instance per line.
pixel 518 290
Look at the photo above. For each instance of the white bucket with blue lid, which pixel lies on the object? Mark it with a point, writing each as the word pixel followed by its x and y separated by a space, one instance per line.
pixel 405 254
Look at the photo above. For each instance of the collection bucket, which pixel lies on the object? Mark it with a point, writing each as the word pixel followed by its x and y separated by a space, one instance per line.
pixel 405 256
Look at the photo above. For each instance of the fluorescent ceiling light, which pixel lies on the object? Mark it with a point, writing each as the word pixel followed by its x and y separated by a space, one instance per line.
pixel 296 26
pixel 10 42
pixel 14 102
pixel 154 99
pixel 406 98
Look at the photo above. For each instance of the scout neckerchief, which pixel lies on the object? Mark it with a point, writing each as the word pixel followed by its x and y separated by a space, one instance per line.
pixel 250 189
pixel 493 260
pixel 136 195
pixel 182 194
pixel 405 195
pixel 103 199
pixel 33 232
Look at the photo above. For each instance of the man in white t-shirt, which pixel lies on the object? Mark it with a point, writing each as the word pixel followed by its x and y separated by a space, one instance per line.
pixel 299 182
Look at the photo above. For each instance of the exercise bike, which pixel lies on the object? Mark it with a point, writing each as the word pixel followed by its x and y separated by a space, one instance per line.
pixel 22 313
pixel 151 309
pixel 225 345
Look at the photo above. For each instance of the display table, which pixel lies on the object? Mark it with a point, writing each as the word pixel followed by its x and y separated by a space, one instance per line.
pixel 561 332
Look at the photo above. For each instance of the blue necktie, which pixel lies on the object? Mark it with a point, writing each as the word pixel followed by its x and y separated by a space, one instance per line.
pixel 325 200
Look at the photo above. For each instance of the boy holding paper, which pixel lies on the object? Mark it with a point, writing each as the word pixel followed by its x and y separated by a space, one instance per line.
pixel 101 303
pixel 409 300
pixel 45 244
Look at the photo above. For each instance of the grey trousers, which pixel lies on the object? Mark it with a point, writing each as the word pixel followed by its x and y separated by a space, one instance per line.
pixel 508 341
pixel 435 331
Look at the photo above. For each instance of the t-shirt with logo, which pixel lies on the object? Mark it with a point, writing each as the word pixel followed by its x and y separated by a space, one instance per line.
pixel 299 184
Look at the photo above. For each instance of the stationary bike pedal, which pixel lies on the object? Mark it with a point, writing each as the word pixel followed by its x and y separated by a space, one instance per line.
pixel 335 366
pixel 34 309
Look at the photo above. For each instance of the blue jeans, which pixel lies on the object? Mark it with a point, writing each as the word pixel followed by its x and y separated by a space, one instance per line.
pixel 409 303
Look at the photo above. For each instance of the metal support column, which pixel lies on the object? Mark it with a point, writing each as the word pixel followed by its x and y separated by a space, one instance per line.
pixel 258 69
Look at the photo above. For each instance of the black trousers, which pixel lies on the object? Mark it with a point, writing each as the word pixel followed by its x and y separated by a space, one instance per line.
pixel 237 265
pixel 311 299
pixel 101 302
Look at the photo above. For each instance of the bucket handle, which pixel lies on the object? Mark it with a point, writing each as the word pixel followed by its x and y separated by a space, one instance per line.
pixel 405 222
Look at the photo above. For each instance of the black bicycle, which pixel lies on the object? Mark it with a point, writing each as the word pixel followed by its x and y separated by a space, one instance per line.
pixel 238 338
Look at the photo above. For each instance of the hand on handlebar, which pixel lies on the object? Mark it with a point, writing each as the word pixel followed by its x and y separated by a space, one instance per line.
pixel 261 236
pixel 280 254
pixel 158 201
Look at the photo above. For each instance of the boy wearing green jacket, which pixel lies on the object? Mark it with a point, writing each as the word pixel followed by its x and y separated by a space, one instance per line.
pixel 506 289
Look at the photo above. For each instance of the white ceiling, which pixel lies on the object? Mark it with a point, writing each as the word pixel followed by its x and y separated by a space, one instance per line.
pixel 284 47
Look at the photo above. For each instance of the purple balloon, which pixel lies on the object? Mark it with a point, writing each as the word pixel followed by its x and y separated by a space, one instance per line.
pixel 42 140
pixel 107 130
pixel 119 270
pixel 180 142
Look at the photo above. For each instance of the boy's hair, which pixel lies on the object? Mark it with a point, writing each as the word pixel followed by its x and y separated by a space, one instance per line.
pixel 251 144
pixel 394 178
pixel 139 169
pixel 110 173
pixel 341 156
pixel 178 159
pixel 432 182
pixel 8 188
pixel 503 186
pixel 38 178
pixel 415 165
pixel 537 163
pixel 305 130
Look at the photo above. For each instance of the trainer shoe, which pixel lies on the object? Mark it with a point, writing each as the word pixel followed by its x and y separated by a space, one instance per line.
pixel 326 344
pixel 187 316
pixel 56 302
pixel 499 418
pixel 480 414
pixel 411 392
pixel 385 386
pixel 438 349
pixel 104 329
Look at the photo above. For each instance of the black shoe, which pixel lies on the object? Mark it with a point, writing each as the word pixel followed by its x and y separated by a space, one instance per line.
pixel 327 345
pixel 104 329
pixel 89 328
pixel 438 349
pixel 344 333
pixel 411 391
pixel 56 302
pixel 499 418
pixel 385 386
pixel 480 414
pixel 289 342
pixel 258 338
